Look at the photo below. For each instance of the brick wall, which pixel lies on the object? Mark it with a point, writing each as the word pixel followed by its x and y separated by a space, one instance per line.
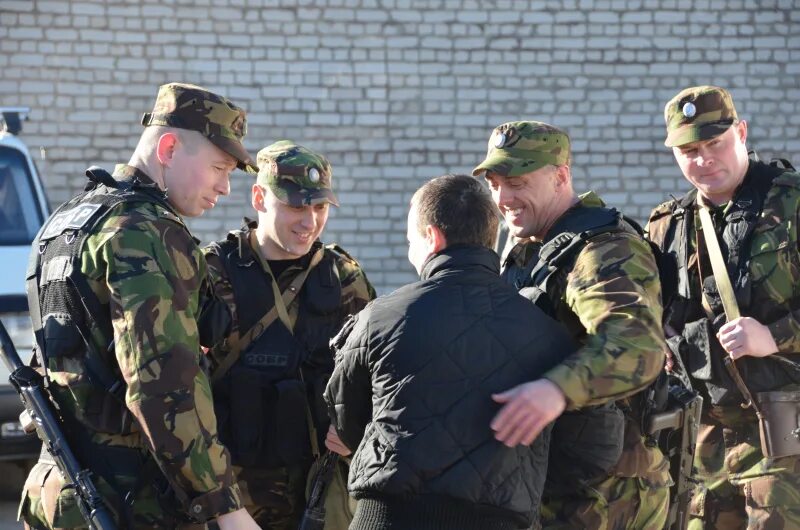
pixel 398 91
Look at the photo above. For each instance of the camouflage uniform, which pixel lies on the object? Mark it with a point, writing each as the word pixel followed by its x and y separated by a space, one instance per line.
pixel 738 487
pixel 610 301
pixel 145 271
pixel 297 176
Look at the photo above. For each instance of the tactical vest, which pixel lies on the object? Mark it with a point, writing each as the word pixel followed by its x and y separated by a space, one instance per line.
pixel 690 334
pixel 586 443
pixel 262 403
pixel 64 310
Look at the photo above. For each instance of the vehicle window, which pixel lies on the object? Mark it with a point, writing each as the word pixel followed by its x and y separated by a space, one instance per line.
pixel 20 214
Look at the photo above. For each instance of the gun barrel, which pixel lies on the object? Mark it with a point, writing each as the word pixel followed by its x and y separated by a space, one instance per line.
pixel 313 519
pixel 10 356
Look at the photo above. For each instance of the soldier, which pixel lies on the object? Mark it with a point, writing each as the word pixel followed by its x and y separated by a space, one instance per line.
pixel 592 271
pixel 754 210
pixel 114 287
pixel 288 294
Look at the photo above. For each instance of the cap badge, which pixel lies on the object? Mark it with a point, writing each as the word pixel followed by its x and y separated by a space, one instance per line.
pixel 499 139
pixel 689 110
pixel 313 175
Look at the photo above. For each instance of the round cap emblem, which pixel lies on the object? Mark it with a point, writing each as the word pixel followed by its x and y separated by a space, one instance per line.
pixel 689 110
pixel 499 140
pixel 313 175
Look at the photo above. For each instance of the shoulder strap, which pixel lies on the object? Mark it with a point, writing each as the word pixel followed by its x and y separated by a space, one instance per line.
pixel 239 342
pixel 573 232
pixel 342 253
pixel 728 297
pixel 781 163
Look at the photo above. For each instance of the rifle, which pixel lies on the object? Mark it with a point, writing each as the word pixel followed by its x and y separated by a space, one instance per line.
pixel 314 514
pixel 680 423
pixel 44 418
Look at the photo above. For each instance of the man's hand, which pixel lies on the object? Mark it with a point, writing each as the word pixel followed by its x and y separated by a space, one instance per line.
pixel 669 362
pixel 746 336
pixel 335 444
pixel 528 409
pixel 238 520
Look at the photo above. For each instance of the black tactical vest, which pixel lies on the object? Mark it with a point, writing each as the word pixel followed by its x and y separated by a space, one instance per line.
pixel 65 311
pixel 690 334
pixel 586 443
pixel 262 403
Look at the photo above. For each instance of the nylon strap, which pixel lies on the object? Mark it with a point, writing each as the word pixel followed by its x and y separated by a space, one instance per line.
pixel 718 266
pixel 236 342
pixel 727 295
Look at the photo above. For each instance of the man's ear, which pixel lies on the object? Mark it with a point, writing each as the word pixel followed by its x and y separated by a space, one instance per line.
pixel 435 239
pixel 741 130
pixel 563 176
pixel 258 198
pixel 165 148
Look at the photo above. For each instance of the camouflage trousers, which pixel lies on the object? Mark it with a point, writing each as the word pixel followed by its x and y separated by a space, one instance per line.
pixel 738 488
pixel 616 503
pixel 274 497
pixel 45 505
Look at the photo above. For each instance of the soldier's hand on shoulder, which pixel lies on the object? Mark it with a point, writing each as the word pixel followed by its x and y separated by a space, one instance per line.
pixel 238 520
pixel 528 408
pixel 746 336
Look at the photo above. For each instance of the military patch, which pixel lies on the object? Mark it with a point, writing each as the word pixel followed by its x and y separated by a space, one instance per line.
pixel 72 219
pixel 689 110
pixel 264 360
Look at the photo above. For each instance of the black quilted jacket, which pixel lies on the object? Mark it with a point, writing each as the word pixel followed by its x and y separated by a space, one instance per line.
pixel 412 392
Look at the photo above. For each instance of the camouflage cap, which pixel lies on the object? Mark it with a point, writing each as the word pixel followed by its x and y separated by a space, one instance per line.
pixel 295 174
pixel 194 108
pixel 698 113
pixel 519 147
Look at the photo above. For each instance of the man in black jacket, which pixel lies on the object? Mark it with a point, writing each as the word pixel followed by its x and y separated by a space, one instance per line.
pixel 416 371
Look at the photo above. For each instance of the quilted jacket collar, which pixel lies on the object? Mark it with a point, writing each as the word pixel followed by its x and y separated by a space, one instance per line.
pixel 461 257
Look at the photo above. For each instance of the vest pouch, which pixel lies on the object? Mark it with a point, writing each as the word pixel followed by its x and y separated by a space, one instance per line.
pixel 61 339
pixel 695 349
pixel 248 410
pixel 265 421
pixel 585 445
pixel 63 345
pixel 292 439
pixel 779 425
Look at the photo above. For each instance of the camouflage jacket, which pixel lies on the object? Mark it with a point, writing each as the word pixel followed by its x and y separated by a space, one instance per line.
pixel 143 264
pixel 611 302
pixel 773 264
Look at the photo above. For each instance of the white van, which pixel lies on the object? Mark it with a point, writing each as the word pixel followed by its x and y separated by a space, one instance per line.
pixel 23 210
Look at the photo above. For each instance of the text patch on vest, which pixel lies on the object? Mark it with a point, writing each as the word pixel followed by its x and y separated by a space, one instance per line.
pixel 72 219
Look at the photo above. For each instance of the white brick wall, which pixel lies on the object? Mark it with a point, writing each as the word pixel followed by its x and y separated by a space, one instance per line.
pixel 397 91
